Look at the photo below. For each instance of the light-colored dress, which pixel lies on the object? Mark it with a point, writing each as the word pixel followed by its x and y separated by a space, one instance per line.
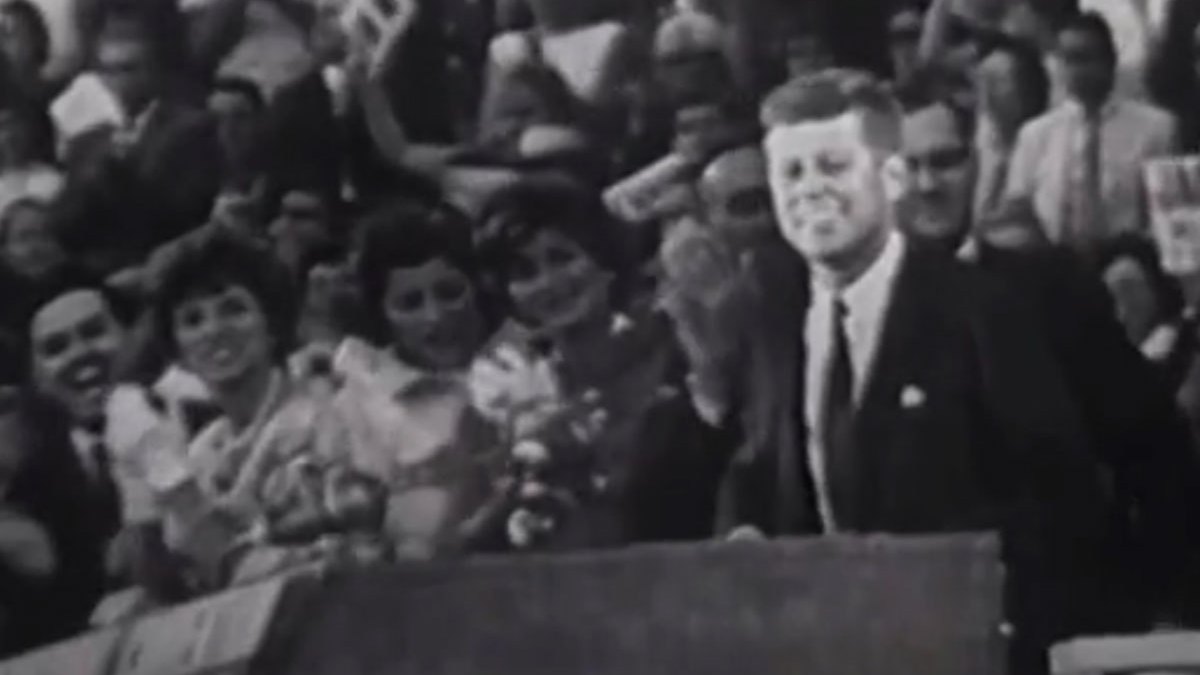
pixel 423 440
pixel 278 493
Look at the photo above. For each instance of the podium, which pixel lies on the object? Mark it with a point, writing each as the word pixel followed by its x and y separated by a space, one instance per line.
pixel 875 606
pixel 820 607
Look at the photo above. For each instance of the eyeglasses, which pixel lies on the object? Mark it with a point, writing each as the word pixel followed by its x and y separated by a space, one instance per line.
pixel 945 159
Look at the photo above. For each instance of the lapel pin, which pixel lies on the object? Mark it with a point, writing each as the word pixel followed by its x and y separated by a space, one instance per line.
pixel 912 397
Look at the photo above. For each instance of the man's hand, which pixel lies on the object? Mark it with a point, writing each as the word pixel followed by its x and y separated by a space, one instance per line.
pixel 706 297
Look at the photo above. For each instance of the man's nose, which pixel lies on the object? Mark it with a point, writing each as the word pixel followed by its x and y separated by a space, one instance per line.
pixel 808 187
pixel 925 180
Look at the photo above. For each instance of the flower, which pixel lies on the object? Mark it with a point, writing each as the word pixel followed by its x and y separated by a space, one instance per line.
pixel 531 452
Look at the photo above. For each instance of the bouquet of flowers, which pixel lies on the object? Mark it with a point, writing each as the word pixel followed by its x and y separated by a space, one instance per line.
pixel 552 467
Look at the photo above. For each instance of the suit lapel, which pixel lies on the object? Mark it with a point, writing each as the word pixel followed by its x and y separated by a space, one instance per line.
pixel 899 352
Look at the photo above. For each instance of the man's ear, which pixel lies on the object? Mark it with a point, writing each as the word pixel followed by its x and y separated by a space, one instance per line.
pixel 895 176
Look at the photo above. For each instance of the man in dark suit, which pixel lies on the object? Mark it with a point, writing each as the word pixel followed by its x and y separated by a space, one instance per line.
pixel 149 181
pixel 888 388
pixel 1134 428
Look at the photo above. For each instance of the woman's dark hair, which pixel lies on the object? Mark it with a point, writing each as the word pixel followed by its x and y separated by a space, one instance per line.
pixel 519 214
pixel 220 262
pixel 1144 253
pixel 407 235
pixel 1032 78
pixel 32 17
pixel 157 24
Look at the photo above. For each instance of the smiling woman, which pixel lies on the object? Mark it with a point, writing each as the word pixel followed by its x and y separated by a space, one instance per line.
pixel 277 462
pixel 605 447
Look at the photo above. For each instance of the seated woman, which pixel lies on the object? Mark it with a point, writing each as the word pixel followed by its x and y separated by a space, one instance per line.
pixel 605 446
pixel 428 314
pixel 273 471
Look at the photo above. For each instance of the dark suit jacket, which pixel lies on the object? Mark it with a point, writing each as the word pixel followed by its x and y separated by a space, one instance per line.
pixel 117 209
pixel 52 488
pixel 994 442
pixel 1129 410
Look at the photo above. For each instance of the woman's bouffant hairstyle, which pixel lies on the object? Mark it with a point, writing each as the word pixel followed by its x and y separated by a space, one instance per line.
pixel 407 235
pixel 517 215
pixel 220 262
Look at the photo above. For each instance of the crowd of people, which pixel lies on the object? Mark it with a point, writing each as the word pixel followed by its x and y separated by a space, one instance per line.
pixel 295 283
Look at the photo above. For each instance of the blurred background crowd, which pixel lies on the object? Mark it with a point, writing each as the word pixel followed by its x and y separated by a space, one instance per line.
pixel 296 282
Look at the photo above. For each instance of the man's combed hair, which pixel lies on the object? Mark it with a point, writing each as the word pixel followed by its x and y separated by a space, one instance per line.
pixel 1094 23
pixel 934 86
pixel 833 92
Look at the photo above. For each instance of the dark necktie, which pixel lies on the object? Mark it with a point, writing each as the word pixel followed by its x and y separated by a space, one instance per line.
pixel 1085 203
pixel 843 473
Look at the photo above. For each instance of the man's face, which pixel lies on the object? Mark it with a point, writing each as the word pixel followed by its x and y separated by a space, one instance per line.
pixel 300 227
pixel 941 174
pixel 126 67
pixel 904 32
pixel 827 187
pixel 75 341
pixel 999 90
pixel 1088 68
pixel 737 198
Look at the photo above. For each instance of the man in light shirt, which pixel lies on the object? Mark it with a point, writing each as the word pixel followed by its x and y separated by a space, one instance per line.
pixel 1081 163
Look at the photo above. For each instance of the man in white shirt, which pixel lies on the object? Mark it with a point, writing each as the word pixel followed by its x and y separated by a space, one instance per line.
pixel 1081 163
pixel 77 339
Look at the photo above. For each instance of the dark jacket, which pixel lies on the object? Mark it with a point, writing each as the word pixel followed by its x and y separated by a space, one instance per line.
pixel 52 488
pixel 1129 410
pixel 116 209
pixel 993 441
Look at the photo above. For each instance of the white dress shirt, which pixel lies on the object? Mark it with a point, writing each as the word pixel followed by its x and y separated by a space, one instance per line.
pixel 1130 133
pixel 867 301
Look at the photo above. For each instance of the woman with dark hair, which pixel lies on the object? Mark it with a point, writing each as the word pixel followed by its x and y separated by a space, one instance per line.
pixel 1013 87
pixel 1149 304
pixel 606 449
pixel 272 472
pixel 24 51
pixel 428 315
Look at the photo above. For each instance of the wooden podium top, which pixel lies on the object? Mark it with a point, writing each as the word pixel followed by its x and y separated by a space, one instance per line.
pixel 830 606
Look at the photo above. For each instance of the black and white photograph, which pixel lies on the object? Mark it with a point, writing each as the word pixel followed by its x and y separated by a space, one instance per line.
pixel 599 337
